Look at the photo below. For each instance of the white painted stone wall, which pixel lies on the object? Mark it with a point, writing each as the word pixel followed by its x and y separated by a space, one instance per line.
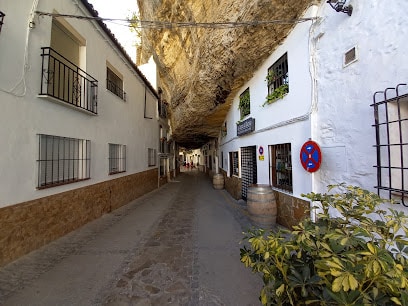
pixel 23 115
pixel 343 123
pixel 284 121
pixel 336 96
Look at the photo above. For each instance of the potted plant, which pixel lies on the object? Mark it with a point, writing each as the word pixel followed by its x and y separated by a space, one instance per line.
pixel 358 257
pixel 278 92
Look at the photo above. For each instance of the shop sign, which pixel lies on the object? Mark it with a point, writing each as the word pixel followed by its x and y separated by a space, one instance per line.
pixel 246 126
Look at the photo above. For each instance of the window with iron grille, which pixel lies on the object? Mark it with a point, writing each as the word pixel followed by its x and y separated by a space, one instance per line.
pixel 391 126
pixel 62 160
pixel 115 84
pixel 245 103
pixel 117 158
pixel 280 166
pixel 151 157
pixel 1 19
pixel 278 77
pixel 234 164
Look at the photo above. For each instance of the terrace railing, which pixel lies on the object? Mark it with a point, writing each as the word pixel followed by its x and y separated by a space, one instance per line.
pixel 63 80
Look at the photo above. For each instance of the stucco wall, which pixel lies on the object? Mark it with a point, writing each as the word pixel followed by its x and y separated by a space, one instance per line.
pixel 343 123
pixel 284 121
pixel 24 114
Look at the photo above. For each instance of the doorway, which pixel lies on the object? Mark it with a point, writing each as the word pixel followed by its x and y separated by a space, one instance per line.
pixel 248 168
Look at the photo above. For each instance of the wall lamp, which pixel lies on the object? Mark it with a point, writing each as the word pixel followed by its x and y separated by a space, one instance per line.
pixel 339 6
pixel 1 19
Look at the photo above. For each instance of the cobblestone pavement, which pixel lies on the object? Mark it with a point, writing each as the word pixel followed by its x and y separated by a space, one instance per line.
pixel 178 245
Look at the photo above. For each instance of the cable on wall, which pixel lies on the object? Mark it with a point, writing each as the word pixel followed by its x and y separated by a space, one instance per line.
pixel 155 24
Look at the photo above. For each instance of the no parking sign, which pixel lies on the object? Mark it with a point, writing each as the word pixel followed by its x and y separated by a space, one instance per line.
pixel 310 156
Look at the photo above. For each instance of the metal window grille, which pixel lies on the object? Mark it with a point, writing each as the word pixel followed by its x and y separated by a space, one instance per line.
pixel 1 19
pixel 115 84
pixel 281 166
pixel 391 129
pixel 244 103
pixel 151 157
pixel 234 163
pixel 117 158
pixel 248 169
pixel 62 160
pixel 278 74
pixel 63 80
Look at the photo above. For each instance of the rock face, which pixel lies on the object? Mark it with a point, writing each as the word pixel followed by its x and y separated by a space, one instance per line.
pixel 201 69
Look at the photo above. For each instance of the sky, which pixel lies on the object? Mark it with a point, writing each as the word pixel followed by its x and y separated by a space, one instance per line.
pixel 123 9
pixel 118 9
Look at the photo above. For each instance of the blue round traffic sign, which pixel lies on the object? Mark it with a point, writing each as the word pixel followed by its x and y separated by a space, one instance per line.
pixel 310 156
pixel 261 150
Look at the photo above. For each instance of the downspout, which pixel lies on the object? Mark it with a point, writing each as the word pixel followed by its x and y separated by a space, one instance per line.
pixel 313 41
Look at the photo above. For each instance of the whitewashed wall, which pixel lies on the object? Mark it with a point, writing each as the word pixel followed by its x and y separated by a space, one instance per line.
pixel 284 121
pixel 23 115
pixel 343 124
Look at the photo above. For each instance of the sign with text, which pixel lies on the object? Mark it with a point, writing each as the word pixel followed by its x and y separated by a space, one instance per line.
pixel 246 126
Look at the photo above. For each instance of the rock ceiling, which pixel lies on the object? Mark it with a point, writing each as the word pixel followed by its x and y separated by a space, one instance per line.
pixel 201 69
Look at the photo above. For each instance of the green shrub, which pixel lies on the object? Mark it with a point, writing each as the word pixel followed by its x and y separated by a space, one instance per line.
pixel 360 258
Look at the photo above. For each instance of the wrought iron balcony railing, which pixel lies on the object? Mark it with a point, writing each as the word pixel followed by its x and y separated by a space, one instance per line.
pixel 63 80
pixel 115 89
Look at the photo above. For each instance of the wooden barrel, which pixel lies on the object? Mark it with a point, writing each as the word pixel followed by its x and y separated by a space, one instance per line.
pixel 262 205
pixel 218 181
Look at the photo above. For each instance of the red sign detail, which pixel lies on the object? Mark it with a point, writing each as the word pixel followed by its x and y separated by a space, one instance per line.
pixel 310 156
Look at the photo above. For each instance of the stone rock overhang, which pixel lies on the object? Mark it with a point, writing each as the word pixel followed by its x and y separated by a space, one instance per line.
pixel 201 69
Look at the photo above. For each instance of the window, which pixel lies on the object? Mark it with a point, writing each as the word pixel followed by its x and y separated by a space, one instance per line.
pixel 1 19
pixel 350 56
pixel 224 130
pixel 117 158
pixel 278 79
pixel 280 166
pixel 245 103
pixel 151 157
pixel 391 124
pixel 114 83
pixel 234 170
pixel 62 160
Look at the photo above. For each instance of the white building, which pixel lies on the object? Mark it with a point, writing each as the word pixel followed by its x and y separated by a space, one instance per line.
pixel 330 69
pixel 80 131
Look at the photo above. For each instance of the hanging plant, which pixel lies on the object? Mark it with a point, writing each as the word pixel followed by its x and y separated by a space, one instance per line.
pixel 277 94
pixel 244 103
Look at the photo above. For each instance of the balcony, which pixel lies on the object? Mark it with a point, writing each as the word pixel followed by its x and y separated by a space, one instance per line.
pixel 64 82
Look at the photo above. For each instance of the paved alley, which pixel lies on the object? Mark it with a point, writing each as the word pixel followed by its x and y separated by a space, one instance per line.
pixel 178 245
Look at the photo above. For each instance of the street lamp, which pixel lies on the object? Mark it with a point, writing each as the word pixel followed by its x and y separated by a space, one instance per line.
pixel 339 6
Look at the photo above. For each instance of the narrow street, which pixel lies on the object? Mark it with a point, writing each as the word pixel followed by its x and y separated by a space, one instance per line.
pixel 177 245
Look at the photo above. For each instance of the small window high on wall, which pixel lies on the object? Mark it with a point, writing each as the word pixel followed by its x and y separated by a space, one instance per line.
pixel 114 83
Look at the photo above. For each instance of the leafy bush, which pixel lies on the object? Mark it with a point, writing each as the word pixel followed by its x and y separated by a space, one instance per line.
pixel 359 258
